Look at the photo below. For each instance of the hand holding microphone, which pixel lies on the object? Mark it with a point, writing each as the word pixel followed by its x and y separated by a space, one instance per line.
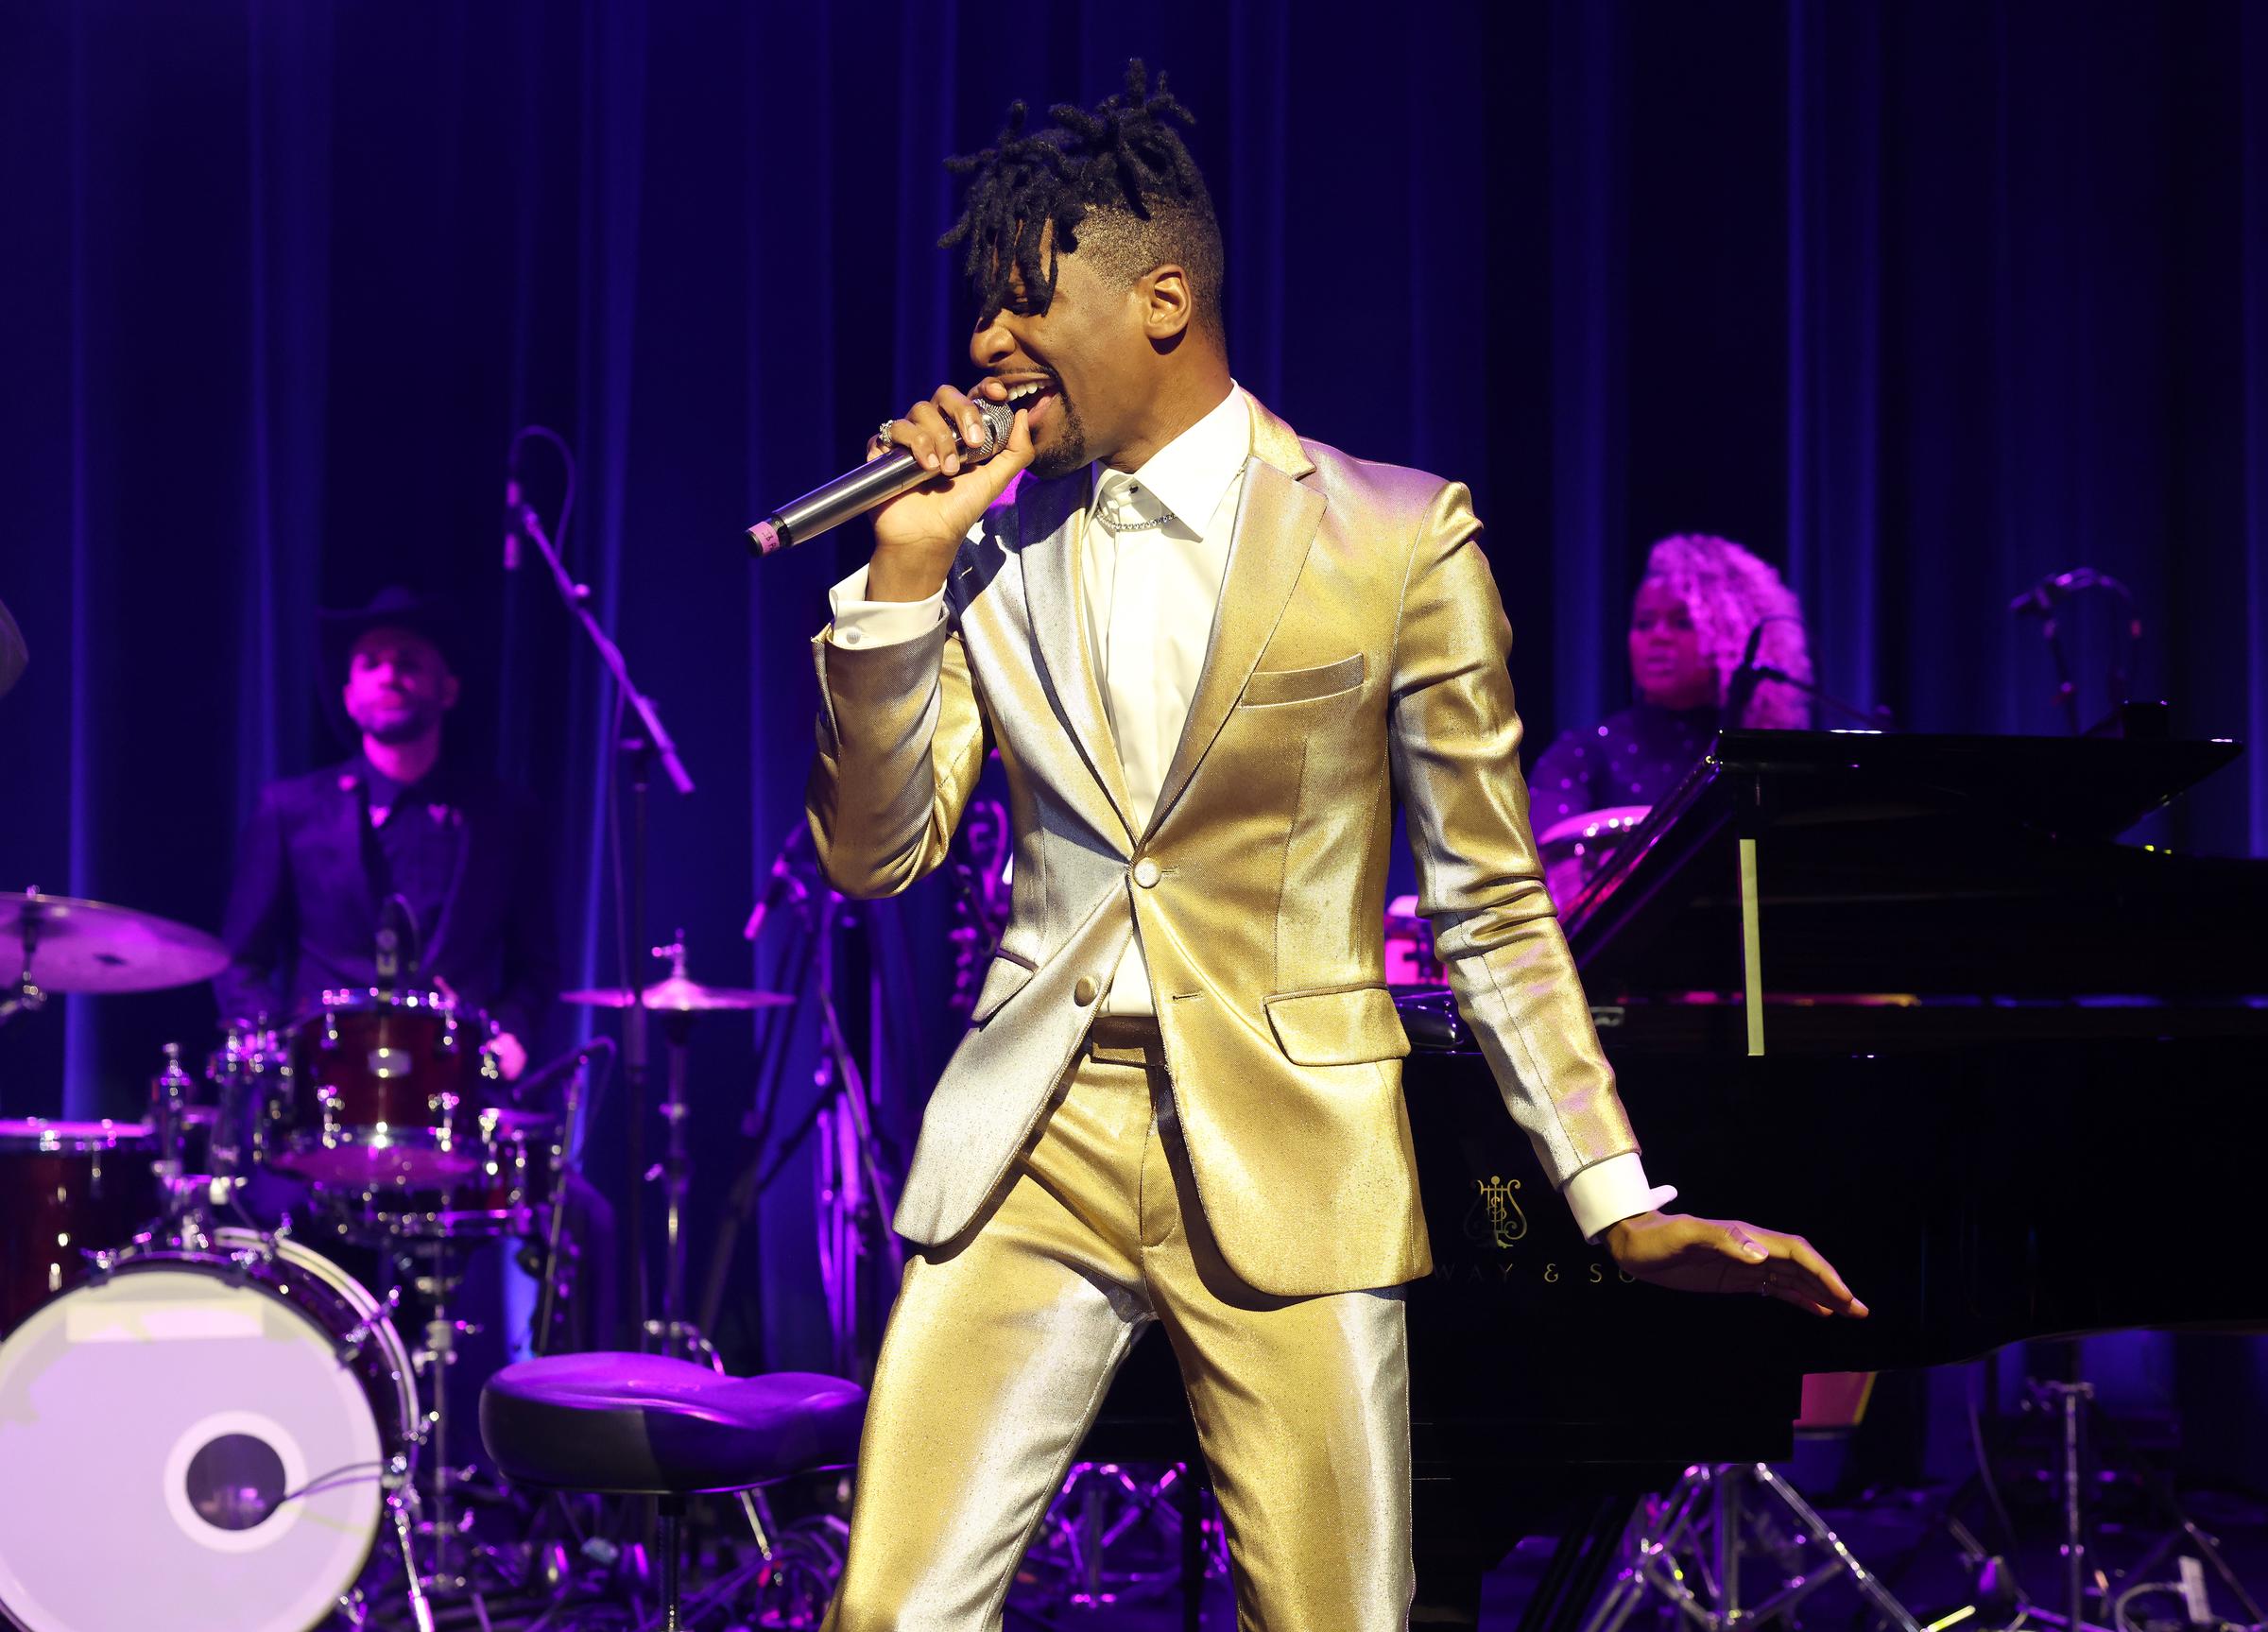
pixel 946 460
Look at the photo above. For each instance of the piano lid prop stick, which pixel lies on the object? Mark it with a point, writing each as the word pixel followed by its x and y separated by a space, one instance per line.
pixel 1752 950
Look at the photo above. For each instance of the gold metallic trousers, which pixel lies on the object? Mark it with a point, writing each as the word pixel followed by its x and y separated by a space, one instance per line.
pixel 1004 1341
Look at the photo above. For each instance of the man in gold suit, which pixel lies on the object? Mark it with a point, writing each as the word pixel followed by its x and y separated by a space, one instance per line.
pixel 1211 655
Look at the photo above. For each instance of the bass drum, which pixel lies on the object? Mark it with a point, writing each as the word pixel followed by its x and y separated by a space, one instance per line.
pixel 197 1442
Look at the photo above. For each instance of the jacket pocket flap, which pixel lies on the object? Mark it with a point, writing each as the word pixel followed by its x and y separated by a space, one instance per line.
pixel 1003 980
pixel 1338 1027
pixel 1298 685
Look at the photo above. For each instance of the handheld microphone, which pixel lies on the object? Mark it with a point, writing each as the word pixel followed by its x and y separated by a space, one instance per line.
pixel 875 483
pixel 1741 686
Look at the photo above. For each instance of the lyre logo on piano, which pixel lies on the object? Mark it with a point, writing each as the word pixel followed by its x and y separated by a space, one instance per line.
pixel 1495 1213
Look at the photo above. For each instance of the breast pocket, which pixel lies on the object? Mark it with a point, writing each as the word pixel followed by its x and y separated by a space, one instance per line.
pixel 1268 687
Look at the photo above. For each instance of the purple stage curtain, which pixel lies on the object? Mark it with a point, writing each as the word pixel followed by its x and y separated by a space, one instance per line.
pixel 1922 301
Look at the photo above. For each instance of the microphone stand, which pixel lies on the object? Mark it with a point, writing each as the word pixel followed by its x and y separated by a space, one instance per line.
pixel 2042 601
pixel 639 751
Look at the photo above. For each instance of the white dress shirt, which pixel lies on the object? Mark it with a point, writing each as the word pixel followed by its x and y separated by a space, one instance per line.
pixel 1151 559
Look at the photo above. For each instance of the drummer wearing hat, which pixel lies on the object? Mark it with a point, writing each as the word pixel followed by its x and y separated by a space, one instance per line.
pixel 323 851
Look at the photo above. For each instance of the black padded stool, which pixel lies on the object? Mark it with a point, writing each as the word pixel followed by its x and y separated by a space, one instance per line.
pixel 618 1424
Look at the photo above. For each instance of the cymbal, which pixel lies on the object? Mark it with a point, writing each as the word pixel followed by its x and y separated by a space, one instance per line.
pixel 90 945
pixel 681 996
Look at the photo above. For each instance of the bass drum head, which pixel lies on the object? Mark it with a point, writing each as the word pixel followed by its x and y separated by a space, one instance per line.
pixel 191 1453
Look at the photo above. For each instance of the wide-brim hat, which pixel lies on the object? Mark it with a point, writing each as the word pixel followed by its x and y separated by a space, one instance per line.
pixel 392 607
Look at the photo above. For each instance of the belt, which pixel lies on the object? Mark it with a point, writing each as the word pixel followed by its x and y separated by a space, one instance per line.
pixel 1126 1040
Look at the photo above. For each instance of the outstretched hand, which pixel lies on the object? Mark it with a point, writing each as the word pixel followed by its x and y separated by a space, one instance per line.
pixel 1725 1255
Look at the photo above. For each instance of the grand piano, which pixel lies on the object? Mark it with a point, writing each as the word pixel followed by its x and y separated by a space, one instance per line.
pixel 1907 995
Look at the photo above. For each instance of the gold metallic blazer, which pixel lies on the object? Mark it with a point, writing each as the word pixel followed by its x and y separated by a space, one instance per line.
pixel 1358 654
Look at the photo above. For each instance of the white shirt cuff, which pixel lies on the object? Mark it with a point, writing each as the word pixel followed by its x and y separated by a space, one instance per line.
pixel 1606 1192
pixel 859 622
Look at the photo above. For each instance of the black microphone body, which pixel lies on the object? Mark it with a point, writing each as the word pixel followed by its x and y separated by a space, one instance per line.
pixel 872 484
pixel 1741 686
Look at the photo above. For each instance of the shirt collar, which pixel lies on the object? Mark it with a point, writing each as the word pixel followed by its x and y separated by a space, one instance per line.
pixel 385 792
pixel 1191 472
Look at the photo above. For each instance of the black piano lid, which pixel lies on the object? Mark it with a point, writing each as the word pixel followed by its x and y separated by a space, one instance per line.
pixel 1969 867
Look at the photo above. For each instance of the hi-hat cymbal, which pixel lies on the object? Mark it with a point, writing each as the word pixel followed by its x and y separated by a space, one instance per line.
pixel 67 945
pixel 681 996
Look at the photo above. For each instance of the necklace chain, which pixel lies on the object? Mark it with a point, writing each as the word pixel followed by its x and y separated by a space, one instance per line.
pixel 1103 520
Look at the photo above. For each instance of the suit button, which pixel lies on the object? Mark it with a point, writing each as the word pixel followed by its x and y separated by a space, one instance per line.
pixel 1086 991
pixel 1145 873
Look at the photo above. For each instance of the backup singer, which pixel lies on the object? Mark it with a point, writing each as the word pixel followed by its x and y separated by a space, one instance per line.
pixel 1690 623
pixel 1211 655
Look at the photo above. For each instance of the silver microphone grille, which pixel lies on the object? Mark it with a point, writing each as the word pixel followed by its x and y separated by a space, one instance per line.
pixel 999 420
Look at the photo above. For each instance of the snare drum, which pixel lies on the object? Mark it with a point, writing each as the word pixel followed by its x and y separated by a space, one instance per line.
pixel 68 1189
pixel 505 1195
pixel 199 1441
pixel 384 1091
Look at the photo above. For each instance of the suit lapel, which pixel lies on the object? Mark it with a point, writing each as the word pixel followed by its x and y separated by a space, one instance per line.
pixel 1052 516
pixel 346 830
pixel 1275 521
pixel 473 826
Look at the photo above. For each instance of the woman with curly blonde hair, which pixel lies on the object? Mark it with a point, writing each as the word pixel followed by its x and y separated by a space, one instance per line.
pixel 1689 624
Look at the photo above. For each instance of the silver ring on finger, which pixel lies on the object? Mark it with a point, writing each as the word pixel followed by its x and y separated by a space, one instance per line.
pixel 882 437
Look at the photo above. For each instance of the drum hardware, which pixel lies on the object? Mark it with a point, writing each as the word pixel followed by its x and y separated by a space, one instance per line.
pixel 676 999
pixel 434 1508
pixel 566 1158
pixel 172 1098
pixel 673 1333
pixel 1120 1533
pixel 350 1344
pixel 854 1193
pixel 2079 1417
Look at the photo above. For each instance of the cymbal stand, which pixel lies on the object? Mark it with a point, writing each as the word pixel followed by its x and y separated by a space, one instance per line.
pixel 2074 1405
pixel 673 1334
pixel 25 996
pixel 1687 1547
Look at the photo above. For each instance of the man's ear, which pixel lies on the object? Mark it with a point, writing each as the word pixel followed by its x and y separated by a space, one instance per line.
pixel 449 689
pixel 1169 305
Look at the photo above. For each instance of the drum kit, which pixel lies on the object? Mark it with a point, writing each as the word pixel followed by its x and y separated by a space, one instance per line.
pixel 217 1393
pixel 226 1327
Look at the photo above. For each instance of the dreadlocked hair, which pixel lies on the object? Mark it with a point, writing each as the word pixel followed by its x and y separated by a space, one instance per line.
pixel 1115 185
